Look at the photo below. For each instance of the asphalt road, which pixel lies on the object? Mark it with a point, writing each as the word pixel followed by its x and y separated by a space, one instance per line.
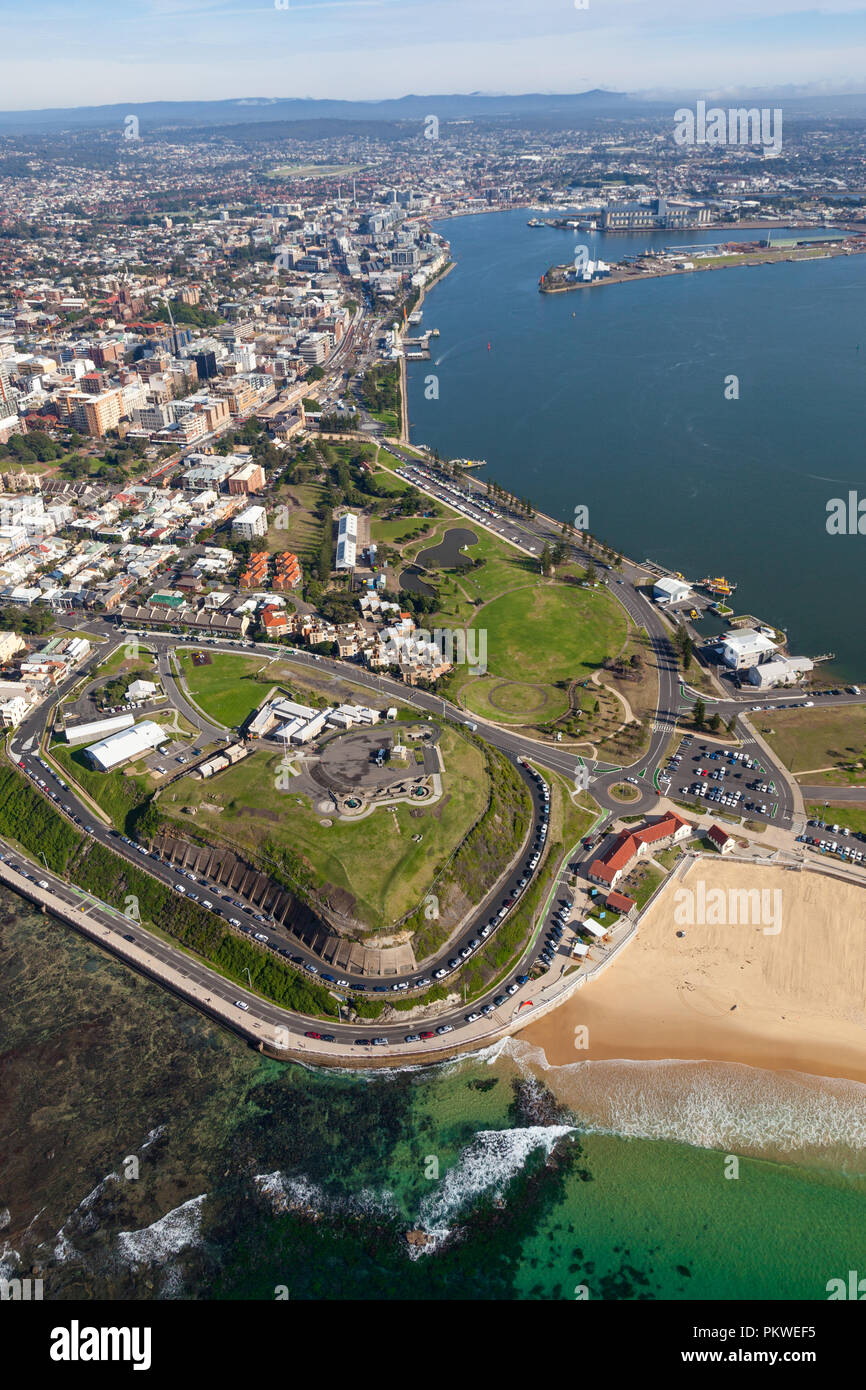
pixel 24 749
pixel 530 535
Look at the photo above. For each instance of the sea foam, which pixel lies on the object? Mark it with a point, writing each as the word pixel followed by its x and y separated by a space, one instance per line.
pixel 728 1106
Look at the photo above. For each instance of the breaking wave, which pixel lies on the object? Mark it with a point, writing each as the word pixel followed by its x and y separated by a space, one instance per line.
pixel 485 1168
pixel 286 1193
pixel 784 1116
pixel 167 1236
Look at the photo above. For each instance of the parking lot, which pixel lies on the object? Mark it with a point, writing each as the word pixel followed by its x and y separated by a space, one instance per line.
pixel 825 837
pixel 714 776
pixel 173 756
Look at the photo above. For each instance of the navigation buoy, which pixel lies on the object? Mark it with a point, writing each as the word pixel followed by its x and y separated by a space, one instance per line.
pixel 488 347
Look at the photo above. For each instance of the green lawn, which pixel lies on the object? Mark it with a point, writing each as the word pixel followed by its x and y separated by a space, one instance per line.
pixel 119 661
pixel 371 869
pixel 296 505
pixel 537 636
pixel 641 883
pixel 509 702
pixel 538 633
pixel 809 739
pixel 399 531
pixel 389 482
pixel 228 689
pixel 853 817
pixel 118 793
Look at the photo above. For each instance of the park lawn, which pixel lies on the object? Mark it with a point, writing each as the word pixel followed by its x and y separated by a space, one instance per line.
pixel 374 861
pixel 808 739
pixel 400 531
pixel 307 686
pixel 504 567
pixel 507 702
pixel 549 632
pixel 390 419
pixel 390 482
pixel 229 688
pixel 303 533
pixel 538 635
pixel 120 660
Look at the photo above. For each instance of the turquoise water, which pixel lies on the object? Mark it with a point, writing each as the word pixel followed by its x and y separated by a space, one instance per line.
pixel 256 1180
pixel 614 398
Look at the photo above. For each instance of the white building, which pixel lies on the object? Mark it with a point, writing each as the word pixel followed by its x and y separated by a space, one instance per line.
pixel 98 728
pixel 140 690
pixel 782 670
pixel 666 591
pixel 315 726
pixel 289 709
pixel 347 541
pixel 250 523
pixel 129 743
pixel 13 711
pixel 745 648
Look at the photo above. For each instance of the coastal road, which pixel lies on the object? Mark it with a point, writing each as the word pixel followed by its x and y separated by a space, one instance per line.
pixel 24 749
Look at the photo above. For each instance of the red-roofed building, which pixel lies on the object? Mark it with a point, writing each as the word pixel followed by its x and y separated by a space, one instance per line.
pixel 721 839
pixel 274 621
pixel 635 844
pixel 620 902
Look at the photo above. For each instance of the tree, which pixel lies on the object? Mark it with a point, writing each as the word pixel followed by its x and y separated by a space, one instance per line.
pixel 715 722
pixel 731 724
pixel 699 713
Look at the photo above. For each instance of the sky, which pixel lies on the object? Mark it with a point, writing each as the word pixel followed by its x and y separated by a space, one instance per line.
pixel 92 52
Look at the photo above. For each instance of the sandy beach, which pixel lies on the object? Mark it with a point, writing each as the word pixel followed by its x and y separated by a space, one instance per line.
pixel 793 1000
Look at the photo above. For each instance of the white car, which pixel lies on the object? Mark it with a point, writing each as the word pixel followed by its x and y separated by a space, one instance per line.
pixel 239 1004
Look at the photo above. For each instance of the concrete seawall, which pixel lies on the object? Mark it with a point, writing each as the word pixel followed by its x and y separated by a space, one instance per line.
pixel 112 939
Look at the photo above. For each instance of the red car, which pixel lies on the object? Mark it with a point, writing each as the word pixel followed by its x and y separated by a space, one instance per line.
pixel 427 1035
pixel 312 1035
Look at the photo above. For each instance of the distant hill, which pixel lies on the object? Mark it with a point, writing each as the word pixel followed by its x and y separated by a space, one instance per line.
pixel 534 107
pixel 154 115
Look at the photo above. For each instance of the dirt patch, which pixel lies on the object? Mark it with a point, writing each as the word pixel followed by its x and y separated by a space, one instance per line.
pixel 262 813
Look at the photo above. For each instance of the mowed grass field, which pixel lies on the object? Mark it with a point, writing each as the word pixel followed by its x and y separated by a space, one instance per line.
pixel 374 861
pixel 808 739
pixel 551 632
pixel 228 689
pixel 538 636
